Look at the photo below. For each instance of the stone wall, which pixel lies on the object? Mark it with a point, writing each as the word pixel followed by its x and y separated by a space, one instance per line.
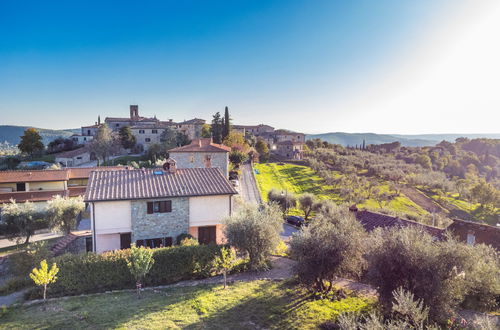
pixel 156 225
pixel 198 160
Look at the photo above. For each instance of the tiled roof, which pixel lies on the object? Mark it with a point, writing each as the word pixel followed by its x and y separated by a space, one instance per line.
pixel 202 145
pixel 193 121
pixel 33 176
pixel 145 184
pixel 51 175
pixel 73 153
pixel 33 196
pixel 372 220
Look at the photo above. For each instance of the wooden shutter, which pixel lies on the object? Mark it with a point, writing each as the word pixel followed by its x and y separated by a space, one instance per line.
pixel 163 206
pixel 150 207
pixel 168 206
pixel 168 241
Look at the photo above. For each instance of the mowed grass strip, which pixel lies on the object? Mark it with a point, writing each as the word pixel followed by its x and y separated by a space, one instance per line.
pixel 300 179
pixel 250 305
pixel 295 178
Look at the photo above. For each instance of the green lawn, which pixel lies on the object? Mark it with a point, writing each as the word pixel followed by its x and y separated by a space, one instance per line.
pixel 124 160
pixel 250 305
pixel 300 179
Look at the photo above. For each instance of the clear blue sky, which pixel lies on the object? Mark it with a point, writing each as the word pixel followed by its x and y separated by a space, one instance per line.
pixel 304 65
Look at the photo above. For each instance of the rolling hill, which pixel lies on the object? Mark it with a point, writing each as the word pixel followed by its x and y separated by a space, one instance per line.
pixel 12 134
pixel 352 139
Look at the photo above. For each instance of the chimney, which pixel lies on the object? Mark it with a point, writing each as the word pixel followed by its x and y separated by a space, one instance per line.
pixel 353 208
pixel 99 120
pixel 134 111
pixel 170 166
pixel 199 142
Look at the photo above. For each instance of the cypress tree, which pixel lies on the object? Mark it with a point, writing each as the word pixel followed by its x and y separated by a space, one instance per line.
pixel 226 124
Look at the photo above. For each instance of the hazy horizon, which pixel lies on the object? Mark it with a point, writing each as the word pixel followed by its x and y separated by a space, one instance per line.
pixel 386 67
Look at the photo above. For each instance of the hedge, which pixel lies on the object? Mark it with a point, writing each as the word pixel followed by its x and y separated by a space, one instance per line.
pixel 92 273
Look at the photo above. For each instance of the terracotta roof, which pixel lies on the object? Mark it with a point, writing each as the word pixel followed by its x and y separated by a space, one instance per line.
pixel 372 220
pixel 145 184
pixel 33 176
pixel 202 145
pixel 72 153
pixel 193 121
pixel 52 175
pixel 32 196
pixel 84 172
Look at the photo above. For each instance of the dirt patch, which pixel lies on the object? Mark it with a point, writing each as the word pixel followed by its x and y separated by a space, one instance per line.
pixel 423 201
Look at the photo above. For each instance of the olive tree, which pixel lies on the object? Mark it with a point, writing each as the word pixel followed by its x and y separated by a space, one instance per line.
pixel 63 212
pixel 329 247
pixel 443 274
pixel 21 220
pixel 307 202
pixel 255 231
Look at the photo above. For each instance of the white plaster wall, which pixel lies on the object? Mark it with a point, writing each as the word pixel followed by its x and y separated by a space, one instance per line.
pixel 208 210
pixel 112 217
pixel 108 242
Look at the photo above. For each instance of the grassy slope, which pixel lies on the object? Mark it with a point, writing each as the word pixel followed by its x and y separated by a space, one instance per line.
pixel 251 305
pixel 300 179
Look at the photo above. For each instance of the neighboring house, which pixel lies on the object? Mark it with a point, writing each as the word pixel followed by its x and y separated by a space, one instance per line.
pixel 81 139
pixel 289 149
pixel 73 157
pixel 371 220
pixel 255 130
pixel 43 185
pixel 146 130
pixel 202 153
pixel 152 207
pixel 475 233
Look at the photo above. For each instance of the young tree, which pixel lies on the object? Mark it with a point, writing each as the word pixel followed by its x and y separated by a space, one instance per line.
pixel 285 199
pixel 156 151
pixel 224 262
pixel 206 131
pixel 182 139
pixel 307 202
pixel 255 231
pixel 44 276
pixel 31 142
pixel 127 139
pixel 262 149
pixel 331 246
pixel 21 220
pixel 63 212
pixel 139 263
pixel 217 128
pixel 485 194
pixel 102 144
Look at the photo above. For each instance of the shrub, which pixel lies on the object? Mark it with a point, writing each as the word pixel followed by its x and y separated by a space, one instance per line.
pixel 181 237
pixel 255 231
pixel 22 263
pixel 331 246
pixel 139 263
pixel 189 242
pixel 90 272
pixel 443 274
pixel 15 284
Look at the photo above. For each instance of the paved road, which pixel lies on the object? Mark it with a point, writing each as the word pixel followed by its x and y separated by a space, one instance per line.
pixel 288 231
pixel 248 187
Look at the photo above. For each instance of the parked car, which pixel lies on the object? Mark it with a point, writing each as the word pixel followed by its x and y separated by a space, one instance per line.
pixel 295 220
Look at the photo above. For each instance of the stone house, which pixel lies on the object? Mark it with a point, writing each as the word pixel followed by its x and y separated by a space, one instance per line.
pixel 202 153
pixel 255 130
pixel 152 207
pixel 73 157
pixel 289 149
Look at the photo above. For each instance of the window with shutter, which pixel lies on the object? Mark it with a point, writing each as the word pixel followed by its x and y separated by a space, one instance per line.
pixel 150 207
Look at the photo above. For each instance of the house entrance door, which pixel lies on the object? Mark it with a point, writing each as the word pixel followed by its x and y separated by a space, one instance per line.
pixel 206 235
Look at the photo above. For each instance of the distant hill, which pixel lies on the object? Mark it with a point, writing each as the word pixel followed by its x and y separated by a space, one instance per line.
pixel 352 139
pixel 12 134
